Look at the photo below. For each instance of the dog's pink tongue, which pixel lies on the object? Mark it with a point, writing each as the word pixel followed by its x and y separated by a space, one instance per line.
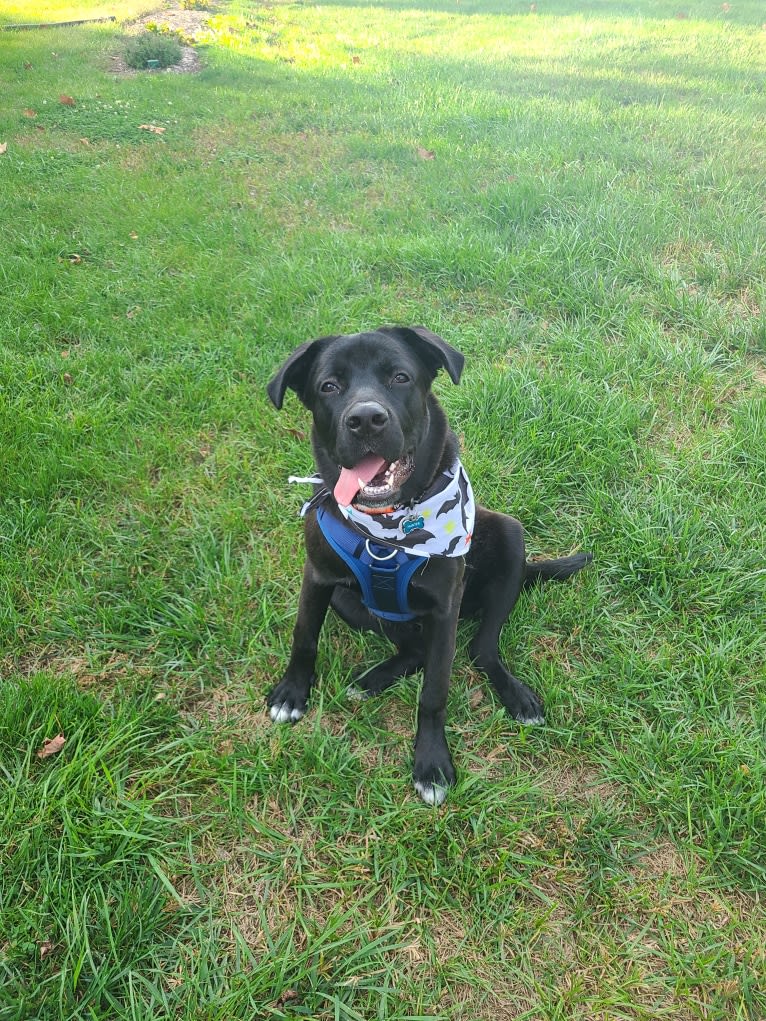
pixel 352 479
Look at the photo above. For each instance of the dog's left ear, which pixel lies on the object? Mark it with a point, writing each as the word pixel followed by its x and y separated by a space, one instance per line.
pixel 294 373
pixel 431 349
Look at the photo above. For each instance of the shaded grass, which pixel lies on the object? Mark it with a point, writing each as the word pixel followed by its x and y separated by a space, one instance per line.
pixel 590 233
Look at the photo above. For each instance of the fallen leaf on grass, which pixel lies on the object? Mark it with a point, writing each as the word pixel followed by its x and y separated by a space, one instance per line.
pixel 3 147
pixel 133 312
pixel 286 997
pixel 66 101
pixel 133 235
pixel 45 949
pixel 27 66
pixel 151 127
pixel 29 113
pixel 426 154
pixel 51 747
pixel 67 377
pixel 356 60
pixel 475 698
pixel 84 141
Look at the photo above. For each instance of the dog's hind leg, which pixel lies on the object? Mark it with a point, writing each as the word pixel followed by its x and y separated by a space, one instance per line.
pixel 408 639
pixel 519 700
pixel 494 597
pixel 407 660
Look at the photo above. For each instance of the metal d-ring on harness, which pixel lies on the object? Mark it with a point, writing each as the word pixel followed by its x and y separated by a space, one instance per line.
pixel 383 572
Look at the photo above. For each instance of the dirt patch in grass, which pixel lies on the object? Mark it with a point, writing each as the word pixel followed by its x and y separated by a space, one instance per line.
pixel 102 674
pixel 190 25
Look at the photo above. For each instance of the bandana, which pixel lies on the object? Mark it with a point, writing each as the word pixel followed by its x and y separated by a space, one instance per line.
pixel 439 524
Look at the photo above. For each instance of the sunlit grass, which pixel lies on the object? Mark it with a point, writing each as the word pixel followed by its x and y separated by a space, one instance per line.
pixel 24 12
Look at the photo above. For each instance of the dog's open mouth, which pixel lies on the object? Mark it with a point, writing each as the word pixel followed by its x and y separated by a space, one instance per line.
pixel 373 482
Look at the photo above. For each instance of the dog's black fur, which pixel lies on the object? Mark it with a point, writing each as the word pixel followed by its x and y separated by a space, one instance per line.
pixel 390 371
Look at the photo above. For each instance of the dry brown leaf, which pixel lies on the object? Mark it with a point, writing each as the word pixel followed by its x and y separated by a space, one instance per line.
pixel 151 127
pixel 356 60
pixel 27 66
pixel 45 949
pixel 426 154
pixel 51 747
pixel 75 259
pixel 67 377
pixel 29 113
pixel 475 698
pixel 286 997
pixel 84 141
pixel 66 101
pixel 133 235
pixel 3 147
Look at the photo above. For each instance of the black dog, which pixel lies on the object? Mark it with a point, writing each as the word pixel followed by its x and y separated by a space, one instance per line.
pixel 395 498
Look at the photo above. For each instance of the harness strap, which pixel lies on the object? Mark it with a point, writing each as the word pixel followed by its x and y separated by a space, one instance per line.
pixel 383 572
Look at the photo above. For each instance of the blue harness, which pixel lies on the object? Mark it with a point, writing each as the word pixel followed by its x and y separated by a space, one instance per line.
pixel 383 572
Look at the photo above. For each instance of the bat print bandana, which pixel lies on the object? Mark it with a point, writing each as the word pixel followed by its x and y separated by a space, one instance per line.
pixel 439 524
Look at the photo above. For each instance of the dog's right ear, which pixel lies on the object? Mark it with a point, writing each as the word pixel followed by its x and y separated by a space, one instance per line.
pixel 294 373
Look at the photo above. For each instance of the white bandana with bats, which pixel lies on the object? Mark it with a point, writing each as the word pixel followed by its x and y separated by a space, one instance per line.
pixel 440 524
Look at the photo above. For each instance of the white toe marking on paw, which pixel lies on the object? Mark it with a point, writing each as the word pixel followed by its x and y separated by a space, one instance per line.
pixel 533 721
pixel 282 713
pixel 354 693
pixel 431 793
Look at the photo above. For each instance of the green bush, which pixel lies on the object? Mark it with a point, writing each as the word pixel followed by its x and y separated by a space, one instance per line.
pixel 153 46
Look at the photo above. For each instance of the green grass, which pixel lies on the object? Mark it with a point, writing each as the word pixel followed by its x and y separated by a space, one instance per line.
pixel 590 233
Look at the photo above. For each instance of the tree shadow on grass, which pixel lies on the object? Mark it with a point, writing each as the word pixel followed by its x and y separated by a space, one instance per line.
pixel 745 12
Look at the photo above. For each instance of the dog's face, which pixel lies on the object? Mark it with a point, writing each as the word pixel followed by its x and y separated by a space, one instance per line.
pixel 369 397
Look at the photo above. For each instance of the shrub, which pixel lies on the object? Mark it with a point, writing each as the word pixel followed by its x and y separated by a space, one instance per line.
pixel 153 46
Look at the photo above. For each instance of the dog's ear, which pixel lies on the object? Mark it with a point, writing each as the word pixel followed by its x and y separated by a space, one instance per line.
pixel 294 373
pixel 431 349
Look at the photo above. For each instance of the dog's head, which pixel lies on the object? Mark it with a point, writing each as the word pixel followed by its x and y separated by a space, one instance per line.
pixel 369 394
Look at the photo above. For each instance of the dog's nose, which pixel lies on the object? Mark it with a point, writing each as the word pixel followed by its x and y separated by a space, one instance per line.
pixel 366 418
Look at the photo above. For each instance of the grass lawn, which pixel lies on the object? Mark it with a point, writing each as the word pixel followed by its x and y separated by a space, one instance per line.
pixel 573 195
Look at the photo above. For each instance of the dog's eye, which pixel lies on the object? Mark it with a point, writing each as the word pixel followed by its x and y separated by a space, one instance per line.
pixel 401 377
pixel 329 387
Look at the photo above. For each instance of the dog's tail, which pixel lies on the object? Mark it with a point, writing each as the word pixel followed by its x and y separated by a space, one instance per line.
pixel 555 570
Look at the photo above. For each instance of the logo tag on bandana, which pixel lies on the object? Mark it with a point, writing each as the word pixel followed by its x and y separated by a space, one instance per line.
pixel 412 523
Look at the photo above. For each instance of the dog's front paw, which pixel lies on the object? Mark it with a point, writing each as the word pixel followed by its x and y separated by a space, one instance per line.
pixel 433 777
pixel 287 704
pixel 285 712
pixel 432 793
